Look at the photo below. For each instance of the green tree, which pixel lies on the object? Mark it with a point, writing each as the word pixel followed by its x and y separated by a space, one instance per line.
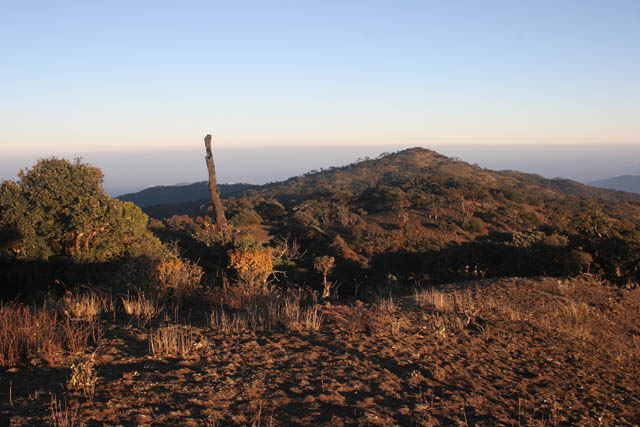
pixel 58 208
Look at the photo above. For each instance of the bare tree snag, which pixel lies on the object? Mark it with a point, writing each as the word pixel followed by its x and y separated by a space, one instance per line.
pixel 221 221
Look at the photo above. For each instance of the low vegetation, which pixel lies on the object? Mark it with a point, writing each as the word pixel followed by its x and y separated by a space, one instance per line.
pixel 411 289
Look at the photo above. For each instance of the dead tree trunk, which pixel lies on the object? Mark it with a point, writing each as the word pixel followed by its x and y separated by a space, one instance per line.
pixel 221 222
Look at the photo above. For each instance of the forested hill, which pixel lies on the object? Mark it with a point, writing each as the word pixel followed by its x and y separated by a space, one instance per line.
pixel 421 214
pixel 418 165
pixel 415 165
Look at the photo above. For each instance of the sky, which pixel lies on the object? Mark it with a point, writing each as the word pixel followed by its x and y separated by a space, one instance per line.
pixel 128 76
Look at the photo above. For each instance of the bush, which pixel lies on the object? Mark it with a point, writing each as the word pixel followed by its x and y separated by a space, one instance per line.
pixel 59 209
pixel 245 217
pixel 177 276
pixel 253 264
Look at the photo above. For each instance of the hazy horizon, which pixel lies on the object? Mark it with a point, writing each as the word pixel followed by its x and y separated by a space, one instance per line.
pixel 134 170
pixel 91 76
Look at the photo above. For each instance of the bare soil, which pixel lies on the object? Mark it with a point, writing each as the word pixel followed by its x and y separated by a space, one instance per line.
pixel 494 352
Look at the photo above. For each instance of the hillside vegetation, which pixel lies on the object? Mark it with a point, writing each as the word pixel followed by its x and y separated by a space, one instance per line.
pixel 411 289
pixel 418 215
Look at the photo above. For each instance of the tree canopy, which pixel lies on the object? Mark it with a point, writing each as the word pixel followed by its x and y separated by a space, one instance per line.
pixel 59 208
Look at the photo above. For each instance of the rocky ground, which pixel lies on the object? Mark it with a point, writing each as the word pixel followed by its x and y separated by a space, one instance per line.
pixel 494 352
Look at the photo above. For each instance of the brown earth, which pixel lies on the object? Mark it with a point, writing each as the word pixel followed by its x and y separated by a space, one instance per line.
pixel 500 352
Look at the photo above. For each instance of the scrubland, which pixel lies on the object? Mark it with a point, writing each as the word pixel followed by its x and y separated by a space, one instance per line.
pixel 512 351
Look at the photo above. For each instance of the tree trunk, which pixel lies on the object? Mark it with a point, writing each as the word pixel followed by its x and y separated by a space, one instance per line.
pixel 216 204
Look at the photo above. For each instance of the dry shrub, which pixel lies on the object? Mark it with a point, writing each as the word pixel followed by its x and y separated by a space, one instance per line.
pixel 141 307
pixel 61 415
pixel 287 249
pixel 83 306
pixel 25 331
pixel 177 277
pixel 254 266
pixel 324 265
pixel 83 376
pixel 172 340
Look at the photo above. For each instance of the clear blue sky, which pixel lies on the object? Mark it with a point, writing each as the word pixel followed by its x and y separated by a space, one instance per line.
pixel 121 75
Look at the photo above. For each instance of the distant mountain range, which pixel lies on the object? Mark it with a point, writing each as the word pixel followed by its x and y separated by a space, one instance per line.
pixel 180 193
pixel 629 183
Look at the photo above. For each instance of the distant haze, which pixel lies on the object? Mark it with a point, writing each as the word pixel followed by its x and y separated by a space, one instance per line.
pixel 132 171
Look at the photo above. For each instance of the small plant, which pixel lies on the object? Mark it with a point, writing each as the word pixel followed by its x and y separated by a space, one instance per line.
pixel 61 415
pixel 324 265
pixel 387 305
pixel 86 306
pixel 84 376
pixel 173 340
pixel 226 322
pixel 141 307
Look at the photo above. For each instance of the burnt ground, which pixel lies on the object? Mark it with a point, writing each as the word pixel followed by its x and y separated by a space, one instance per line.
pixel 494 352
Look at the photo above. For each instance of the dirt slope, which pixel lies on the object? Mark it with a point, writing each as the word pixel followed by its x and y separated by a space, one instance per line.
pixel 504 352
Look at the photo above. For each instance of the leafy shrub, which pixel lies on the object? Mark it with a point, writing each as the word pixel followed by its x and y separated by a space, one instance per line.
pixel 271 210
pixel 245 217
pixel 58 208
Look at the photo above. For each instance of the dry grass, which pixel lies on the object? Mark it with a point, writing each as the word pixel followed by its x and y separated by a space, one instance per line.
pixel 458 300
pixel 141 307
pixel 252 318
pixel 561 307
pixel 61 415
pixel 25 331
pixel 356 319
pixel 386 317
pixel 172 340
pixel 296 316
pixel 76 334
pixel 266 312
pixel 387 305
pixel 407 364
pixel 83 306
pixel 432 297
pixel 37 332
